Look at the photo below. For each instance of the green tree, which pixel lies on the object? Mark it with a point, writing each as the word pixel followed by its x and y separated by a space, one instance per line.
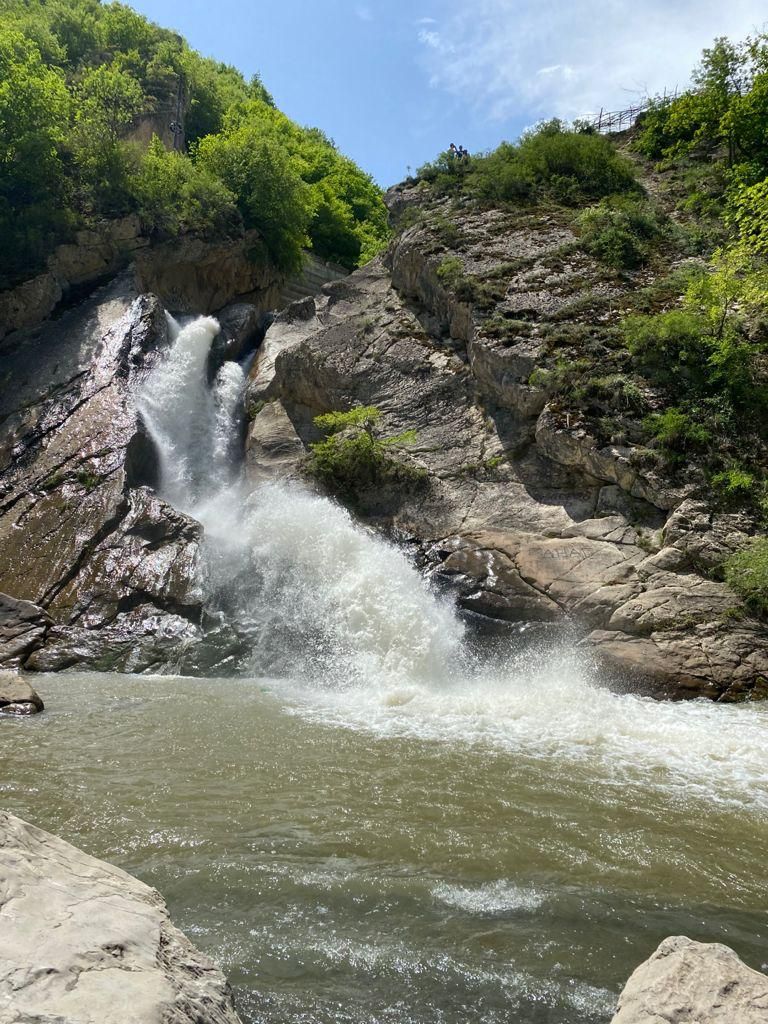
pixel 107 100
pixel 34 107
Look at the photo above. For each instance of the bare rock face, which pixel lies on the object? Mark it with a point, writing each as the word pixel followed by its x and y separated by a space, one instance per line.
pixel 90 556
pixel 83 941
pixel 686 982
pixel 527 515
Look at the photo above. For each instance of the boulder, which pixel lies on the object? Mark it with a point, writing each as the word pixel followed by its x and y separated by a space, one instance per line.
pixel 687 982
pixel 17 697
pixel 22 629
pixel 83 941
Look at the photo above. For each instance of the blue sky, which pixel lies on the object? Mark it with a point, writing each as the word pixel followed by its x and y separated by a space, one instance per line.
pixel 394 83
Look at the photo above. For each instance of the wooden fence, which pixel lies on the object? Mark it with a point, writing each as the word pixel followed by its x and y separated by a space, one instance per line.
pixel 609 121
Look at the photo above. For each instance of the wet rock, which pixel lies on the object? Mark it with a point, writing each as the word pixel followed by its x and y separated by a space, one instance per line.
pixel 242 325
pixel 80 537
pixel 17 697
pixel 83 940
pixel 694 983
pixel 726 662
pixel 23 626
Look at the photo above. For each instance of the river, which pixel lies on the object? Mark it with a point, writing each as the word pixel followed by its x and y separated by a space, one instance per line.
pixel 377 819
pixel 438 858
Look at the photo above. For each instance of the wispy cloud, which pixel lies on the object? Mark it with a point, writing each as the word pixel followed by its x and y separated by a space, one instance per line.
pixel 513 59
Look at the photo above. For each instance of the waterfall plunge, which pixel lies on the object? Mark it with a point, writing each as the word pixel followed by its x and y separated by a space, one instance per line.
pixel 320 597
pixel 358 639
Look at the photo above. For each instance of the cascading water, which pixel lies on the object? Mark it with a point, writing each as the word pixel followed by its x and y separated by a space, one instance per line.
pixel 358 638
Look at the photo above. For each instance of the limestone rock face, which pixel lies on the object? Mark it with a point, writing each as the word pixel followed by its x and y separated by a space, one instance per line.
pixel 82 941
pixel 686 982
pixel 527 515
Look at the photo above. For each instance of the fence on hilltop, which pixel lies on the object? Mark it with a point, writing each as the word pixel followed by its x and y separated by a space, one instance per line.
pixel 609 121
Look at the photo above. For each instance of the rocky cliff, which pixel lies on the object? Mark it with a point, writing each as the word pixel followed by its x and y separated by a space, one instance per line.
pixel 527 513
pixel 522 508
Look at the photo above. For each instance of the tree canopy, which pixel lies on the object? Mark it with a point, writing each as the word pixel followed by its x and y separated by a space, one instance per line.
pixel 77 76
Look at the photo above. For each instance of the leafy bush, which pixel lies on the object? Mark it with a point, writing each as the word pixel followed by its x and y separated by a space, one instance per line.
pixel 620 232
pixel 175 195
pixel 746 572
pixel 568 165
pixel 353 458
pixel 678 432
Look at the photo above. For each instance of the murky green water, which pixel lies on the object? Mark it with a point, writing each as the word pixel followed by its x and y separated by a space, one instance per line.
pixel 486 854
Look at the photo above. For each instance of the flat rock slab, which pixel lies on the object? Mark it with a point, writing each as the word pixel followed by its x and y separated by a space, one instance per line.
pixel 687 982
pixel 82 942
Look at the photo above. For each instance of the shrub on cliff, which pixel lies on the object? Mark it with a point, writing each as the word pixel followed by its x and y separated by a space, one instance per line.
pixel 354 458
pixel 550 160
pixel 620 231
pixel 747 573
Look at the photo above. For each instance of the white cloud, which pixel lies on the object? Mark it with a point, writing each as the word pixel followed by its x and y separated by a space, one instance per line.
pixel 568 58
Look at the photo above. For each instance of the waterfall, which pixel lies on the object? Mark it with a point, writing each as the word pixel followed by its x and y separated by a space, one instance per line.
pixel 351 632
pixel 320 597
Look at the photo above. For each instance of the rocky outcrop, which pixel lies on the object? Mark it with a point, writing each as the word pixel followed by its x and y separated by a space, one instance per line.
pixel 17 697
pixel 93 255
pixel 83 941
pixel 527 515
pixel 98 567
pixel 686 982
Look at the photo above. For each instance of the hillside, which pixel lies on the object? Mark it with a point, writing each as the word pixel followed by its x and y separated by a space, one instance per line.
pixel 104 114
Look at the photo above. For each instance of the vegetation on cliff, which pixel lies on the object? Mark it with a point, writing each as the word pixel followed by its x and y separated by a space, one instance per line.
pixel 78 76
pixel 661 349
pixel 354 457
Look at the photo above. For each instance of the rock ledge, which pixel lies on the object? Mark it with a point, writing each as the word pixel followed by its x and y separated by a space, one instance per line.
pixel 687 982
pixel 82 941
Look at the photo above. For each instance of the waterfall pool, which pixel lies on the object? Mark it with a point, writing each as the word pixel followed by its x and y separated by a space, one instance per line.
pixel 506 850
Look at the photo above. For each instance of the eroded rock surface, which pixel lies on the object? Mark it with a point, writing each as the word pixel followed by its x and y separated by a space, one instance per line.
pixel 82 941
pixel 96 565
pixel 527 514
pixel 687 982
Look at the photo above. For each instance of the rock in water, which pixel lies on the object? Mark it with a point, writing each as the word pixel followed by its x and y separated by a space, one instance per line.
pixel 17 697
pixel 82 941
pixel 689 982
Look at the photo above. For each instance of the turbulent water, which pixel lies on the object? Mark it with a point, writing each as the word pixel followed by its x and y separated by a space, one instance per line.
pixel 380 820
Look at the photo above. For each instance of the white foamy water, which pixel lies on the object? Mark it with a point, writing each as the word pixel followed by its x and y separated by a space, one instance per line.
pixel 358 640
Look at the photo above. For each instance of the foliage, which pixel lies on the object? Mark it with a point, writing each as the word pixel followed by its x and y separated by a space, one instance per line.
pixel 77 77
pixel 175 195
pixel 550 160
pixel 353 457
pixel 725 114
pixel 620 231
pixel 746 572
pixel 34 110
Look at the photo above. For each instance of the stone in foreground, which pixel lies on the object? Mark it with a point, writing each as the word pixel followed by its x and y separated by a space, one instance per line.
pixel 687 982
pixel 83 942
pixel 17 697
